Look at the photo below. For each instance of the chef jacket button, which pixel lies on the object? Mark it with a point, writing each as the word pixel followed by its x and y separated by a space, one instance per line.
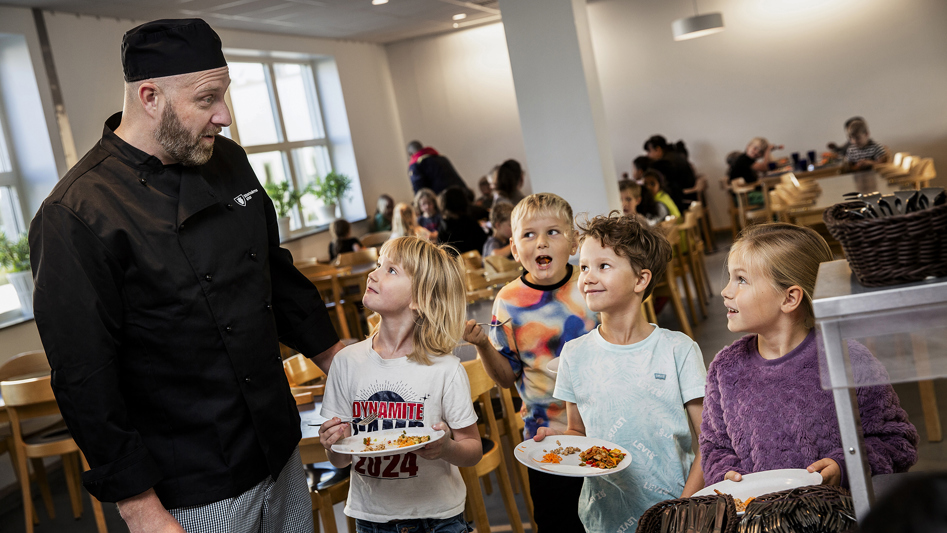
pixel 253 255
pixel 230 207
pixel 279 358
pixel 269 307
pixel 208 277
pixel 228 329
pixel 143 181
pixel 247 379
pixel 181 227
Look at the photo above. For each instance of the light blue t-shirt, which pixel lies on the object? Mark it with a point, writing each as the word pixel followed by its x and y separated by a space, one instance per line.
pixel 633 395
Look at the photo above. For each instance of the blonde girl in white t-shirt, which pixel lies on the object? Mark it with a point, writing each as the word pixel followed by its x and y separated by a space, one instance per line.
pixel 405 373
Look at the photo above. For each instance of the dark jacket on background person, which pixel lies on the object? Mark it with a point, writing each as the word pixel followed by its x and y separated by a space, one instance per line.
pixel 428 169
pixel 161 293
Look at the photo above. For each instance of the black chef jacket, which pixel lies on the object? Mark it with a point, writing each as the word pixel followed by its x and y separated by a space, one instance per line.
pixel 161 292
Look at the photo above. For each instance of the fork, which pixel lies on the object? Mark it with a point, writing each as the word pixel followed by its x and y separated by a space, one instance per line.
pixel 363 422
pixel 492 325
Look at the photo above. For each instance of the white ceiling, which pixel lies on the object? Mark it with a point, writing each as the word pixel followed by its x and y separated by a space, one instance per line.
pixel 356 20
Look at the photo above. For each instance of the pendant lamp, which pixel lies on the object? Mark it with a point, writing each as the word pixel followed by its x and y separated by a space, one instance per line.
pixel 697 26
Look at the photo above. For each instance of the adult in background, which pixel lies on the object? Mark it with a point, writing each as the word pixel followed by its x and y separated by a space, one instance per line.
pixel 507 184
pixel 429 169
pixel 161 293
pixel 675 168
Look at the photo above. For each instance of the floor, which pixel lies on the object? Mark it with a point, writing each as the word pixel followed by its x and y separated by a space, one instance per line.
pixel 711 334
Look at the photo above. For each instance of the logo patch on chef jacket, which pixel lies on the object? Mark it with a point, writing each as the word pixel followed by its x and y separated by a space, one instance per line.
pixel 242 199
pixel 659 376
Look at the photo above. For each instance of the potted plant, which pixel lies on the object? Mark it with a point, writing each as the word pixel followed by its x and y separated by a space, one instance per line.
pixel 15 259
pixel 285 198
pixel 331 190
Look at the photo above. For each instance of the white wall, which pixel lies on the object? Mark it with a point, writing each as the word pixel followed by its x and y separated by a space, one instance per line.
pixel 455 93
pixel 87 51
pixel 789 70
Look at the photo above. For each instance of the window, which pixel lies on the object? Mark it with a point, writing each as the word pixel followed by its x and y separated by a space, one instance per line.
pixel 11 220
pixel 278 120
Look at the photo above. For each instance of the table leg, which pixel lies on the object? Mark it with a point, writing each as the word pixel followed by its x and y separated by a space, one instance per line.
pixel 849 420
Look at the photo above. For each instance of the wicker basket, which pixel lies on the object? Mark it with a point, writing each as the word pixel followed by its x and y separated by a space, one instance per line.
pixel 813 509
pixel 891 250
pixel 680 509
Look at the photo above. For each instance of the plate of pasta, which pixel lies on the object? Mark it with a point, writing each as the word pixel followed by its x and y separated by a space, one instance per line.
pixel 387 442
pixel 573 456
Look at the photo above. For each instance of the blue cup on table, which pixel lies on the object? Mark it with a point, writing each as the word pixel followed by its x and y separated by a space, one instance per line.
pixel 771 165
pixel 795 159
pixel 811 154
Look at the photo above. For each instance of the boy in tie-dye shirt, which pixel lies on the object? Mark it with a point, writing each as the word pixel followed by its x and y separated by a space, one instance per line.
pixel 545 310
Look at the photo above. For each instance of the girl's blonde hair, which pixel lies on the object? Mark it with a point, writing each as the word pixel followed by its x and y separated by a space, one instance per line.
pixel 403 221
pixel 437 290
pixel 789 254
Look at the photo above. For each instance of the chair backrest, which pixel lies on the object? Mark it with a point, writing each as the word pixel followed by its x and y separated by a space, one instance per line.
pixel 472 260
pixel 375 239
pixel 28 391
pixel 312 269
pixel 352 285
pixel 300 369
pixel 480 382
pixel 361 257
pixel 25 363
pixel 498 263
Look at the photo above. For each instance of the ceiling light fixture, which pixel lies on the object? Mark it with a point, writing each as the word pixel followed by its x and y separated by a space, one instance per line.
pixel 379 2
pixel 460 16
pixel 697 26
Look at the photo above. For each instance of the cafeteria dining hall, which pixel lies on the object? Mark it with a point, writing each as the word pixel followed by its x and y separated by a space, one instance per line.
pixel 483 265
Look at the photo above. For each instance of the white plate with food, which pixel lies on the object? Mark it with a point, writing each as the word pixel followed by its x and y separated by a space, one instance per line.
pixel 573 456
pixel 387 442
pixel 553 366
pixel 760 483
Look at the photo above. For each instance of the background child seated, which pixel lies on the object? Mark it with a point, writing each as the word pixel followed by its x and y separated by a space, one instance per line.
pixel 499 243
pixel 342 240
pixel 384 210
pixel 628 381
pixel 534 316
pixel 654 182
pixel 862 151
pixel 429 216
pixel 404 224
pixel 765 408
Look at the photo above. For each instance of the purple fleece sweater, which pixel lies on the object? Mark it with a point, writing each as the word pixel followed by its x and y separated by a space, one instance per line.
pixel 764 414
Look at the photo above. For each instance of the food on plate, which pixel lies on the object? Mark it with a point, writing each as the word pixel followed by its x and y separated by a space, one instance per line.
pixel 568 450
pixel 551 457
pixel 601 457
pixel 737 502
pixel 403 440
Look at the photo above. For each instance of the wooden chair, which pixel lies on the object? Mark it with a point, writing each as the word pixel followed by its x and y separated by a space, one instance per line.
pixel 312 267
pixel 706 228
pixel 694 258
pixel 327 486
pixel 24 364
pixel 732 211
pixel 31 398
pixel 513 424
pixel 304 376
pixel 668 287
pixel 493 457
pixel 361 257
pixel 331 292
pixel 374 240
pixel 748 213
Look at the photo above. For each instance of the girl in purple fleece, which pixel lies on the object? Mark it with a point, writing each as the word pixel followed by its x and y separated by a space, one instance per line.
pixel 764 407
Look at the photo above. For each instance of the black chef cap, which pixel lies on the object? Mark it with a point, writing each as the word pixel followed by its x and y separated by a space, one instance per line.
pixel 169 47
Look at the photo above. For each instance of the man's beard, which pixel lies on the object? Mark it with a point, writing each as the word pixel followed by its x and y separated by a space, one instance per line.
pixel 185 147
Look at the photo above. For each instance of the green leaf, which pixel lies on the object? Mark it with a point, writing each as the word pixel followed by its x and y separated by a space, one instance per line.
pixel 15 255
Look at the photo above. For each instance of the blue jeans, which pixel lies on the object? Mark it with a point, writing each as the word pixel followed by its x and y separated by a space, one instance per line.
pixel 456 524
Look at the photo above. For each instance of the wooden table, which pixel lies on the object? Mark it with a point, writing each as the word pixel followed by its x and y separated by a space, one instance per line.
pixel 833 190
pixel 310 449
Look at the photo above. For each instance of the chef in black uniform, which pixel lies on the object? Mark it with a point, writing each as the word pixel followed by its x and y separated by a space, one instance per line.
pixel 161 293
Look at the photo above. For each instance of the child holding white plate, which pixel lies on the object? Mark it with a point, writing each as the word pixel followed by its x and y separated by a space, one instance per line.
pixel 630 382
pixel 765 408
pixel 405 373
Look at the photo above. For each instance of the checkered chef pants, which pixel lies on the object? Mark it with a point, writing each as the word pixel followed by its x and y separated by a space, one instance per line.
pixel 281 506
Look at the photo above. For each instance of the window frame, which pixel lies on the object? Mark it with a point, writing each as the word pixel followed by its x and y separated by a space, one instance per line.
pixel 283 146
pixel 11 180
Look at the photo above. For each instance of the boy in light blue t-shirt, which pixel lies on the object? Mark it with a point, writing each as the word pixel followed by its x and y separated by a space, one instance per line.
pixel 628 381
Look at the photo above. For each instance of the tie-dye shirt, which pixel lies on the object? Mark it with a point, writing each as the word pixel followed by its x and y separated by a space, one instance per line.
pixel 543 319
pixel 633 396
